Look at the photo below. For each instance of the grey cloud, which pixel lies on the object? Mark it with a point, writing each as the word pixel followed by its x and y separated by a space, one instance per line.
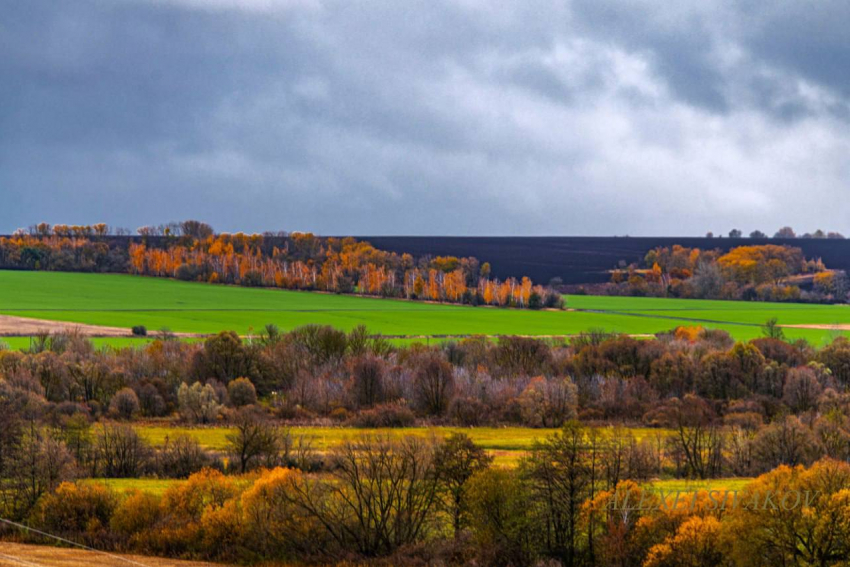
pixel 423 117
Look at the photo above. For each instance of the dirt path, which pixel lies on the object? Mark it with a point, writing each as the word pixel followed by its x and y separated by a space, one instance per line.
pixel 13 326
pixel 17 555
pixel 836 327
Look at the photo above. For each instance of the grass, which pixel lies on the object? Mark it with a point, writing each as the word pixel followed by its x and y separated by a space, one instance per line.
pixel 159 486
pixel 23 343
pixel 731 484
pixel 507 445
pixel 125 301
pixel 152 485
pixel 323 438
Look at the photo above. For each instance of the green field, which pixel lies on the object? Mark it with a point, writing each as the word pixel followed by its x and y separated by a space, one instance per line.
pixel 23 343
pixel 124 301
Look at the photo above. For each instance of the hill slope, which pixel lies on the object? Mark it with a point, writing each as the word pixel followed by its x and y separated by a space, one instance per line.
pixel 124 301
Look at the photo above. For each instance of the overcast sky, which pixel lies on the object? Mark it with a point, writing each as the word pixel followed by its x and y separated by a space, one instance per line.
pixel 587 117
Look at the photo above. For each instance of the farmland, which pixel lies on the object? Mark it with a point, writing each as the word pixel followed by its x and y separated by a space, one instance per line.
pixel 125 301
pixel 141 432
pixel 583 260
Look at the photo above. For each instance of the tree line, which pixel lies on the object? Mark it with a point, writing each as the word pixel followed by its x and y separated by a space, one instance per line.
pixel 414 501
pixel 192 251
pixel 714 408
pixel 784 232
pixel 719 407
pixel 755 273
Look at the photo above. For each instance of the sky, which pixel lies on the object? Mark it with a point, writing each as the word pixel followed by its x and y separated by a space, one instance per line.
pixel 575 117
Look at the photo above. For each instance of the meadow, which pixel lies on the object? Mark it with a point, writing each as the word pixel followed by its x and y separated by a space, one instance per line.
pixel 125 301
pixel 506 444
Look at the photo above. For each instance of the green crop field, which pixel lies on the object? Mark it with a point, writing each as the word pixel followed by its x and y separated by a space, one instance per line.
pixel 23 343
pixel 124 301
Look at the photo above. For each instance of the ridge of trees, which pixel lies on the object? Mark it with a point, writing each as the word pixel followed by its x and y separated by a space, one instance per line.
pixel 191 251
pixel 767 272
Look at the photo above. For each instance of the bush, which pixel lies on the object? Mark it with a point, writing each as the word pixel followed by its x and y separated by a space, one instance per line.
pixel 274 525
pixel 124 404
pixel 76 509
pixel 198 403
pixel 433 385
pixel 252 279
pixel 151 401
pixel 468 412
pixel 367 378
pixel 120 452
pixel 395 414
pixel 208 488
pixel 140 331
pixel 185 507
pixel 182 457
pixel 241 392
pixel 138 512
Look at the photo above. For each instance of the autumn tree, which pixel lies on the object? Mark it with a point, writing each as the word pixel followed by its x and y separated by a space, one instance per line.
pixel 457 459
pixel 502 522
pixel 434 385
pixel 697 434
pixel 381 495
pixel 559 478
pixel 793 516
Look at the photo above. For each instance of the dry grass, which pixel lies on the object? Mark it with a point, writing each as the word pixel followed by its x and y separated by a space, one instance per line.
pixel 17 555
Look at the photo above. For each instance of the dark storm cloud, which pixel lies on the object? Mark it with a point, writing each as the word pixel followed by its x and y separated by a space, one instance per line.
pixel 590 117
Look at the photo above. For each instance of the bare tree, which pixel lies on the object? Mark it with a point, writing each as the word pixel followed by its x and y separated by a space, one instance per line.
pixel 697 435
pixel 256 440
pixel 120 452
pixel 381 494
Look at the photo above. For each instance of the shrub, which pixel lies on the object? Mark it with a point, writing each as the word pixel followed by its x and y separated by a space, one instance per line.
pixel 76 509
pixel 151 402
pixel 140 331
pixel 184 507
pixel 120 452
pixel 380 496
pixel 252 279
pixel 275 526
pixel 368 381
pixel 208 488
pixel 138 512
pixel 468 412
pixel 395 414
pixel 434 385
pixel 241 392
pixel 182 457
pixel 198 403
pixel 124 404
pixel 548 402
